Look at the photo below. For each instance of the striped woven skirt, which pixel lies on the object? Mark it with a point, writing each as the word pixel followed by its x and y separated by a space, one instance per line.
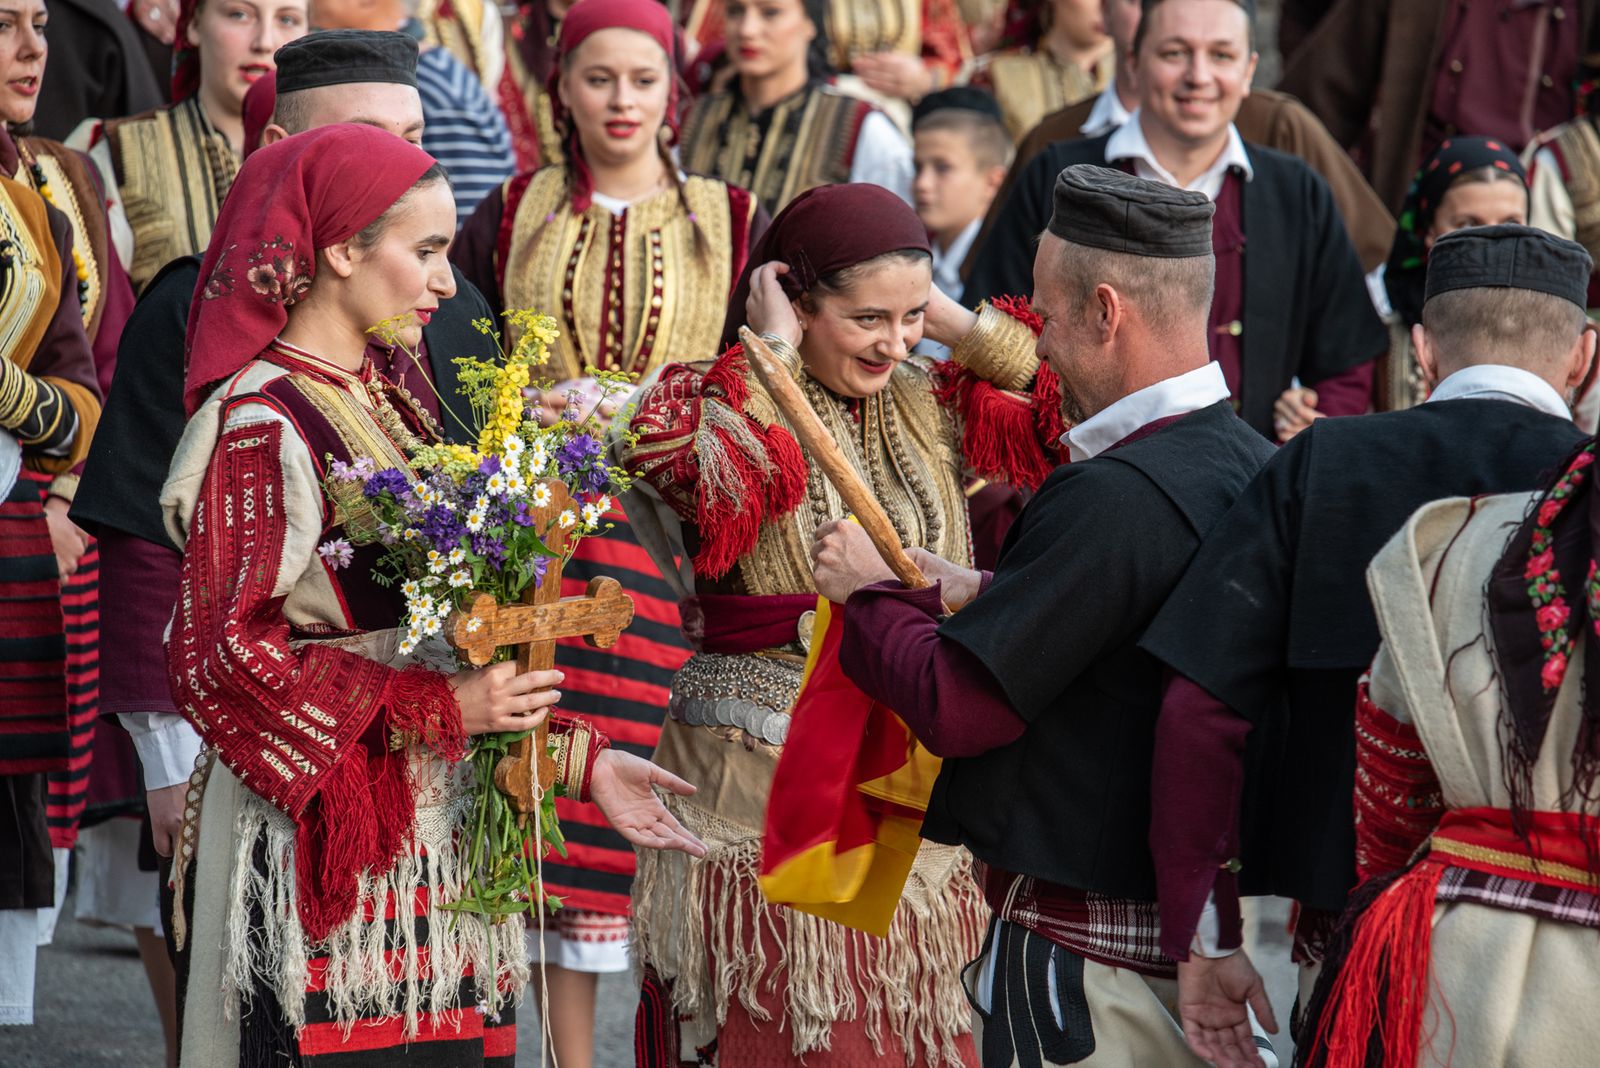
pixel 33 651
pixel 623 691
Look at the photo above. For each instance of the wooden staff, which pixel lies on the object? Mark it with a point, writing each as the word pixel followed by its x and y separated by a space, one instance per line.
pixel 826 454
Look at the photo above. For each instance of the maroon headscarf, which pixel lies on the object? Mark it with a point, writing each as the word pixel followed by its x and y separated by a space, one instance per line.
pixel 185 56
pixel 591 16
pixel 824 230
pixel 289 199
pixel 1544 598
pixel 259 101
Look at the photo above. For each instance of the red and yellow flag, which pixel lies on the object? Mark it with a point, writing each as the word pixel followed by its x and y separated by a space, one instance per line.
pixel 848 796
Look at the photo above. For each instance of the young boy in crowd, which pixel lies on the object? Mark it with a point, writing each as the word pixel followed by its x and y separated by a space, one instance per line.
pixel 962 152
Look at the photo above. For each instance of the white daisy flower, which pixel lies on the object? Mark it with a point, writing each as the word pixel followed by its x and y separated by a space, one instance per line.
pixel 568 518
pixel 424 493
pixel 541 495
pixel 513 447
pixel 496 484
pixel 411 588
pixel 460 578
pixel 411 534
pixel 604 504
pixel 591 515
pixel 475 521
pixel 406 646
pixel 516 485
pixel 474 625
pixel 457 555
pixel 422 606
pixel 432 626
pixel 436 561
pixel 481 504
pixel 538 458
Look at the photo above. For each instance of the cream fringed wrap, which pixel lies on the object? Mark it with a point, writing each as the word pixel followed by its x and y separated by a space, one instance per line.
pixel 697 922
pixel 1505 988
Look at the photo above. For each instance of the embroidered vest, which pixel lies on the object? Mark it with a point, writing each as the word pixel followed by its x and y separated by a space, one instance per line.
pixel 803 141
pixel 632 290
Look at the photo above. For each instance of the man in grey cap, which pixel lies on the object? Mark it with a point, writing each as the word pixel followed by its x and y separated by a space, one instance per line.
pixel 1035 691
pixel 1271 628
pixel 343 76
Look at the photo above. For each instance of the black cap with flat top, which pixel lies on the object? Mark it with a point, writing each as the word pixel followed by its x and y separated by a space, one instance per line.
pixel 346 57
pixel 1107 209
pixel 1509 257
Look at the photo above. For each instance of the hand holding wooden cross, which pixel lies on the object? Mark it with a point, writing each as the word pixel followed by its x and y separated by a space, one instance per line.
pixel 599 616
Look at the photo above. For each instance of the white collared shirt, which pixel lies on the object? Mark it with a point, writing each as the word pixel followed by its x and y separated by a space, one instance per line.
pixel 947 276
pixel 1496 381
pixel 1129 143
pixel 1107 113
pixel 947 261
pixel 1179 395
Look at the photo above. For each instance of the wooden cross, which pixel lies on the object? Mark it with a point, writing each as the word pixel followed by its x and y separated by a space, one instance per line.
pixel 599 616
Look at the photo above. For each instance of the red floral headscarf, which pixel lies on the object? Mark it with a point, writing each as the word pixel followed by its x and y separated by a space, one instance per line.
pixel 1544 598
pixel 291 198
pixel 259 101
pixel 591 16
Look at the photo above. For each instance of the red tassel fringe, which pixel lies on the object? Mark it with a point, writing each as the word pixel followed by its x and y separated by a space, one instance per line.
pixel 365 805
pixel 1388 962
pixel 729 526
pixel 1007 436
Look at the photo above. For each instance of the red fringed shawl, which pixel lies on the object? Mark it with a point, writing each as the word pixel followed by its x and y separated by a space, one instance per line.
pixel 1012 437
pixel 307 729
pixel 728 474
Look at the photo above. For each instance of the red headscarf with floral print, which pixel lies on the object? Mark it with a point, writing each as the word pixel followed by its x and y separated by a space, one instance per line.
pixel 591 16
pixel 290 199
pixel 1544 597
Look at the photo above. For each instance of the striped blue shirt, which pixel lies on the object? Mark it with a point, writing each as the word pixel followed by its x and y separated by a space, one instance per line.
pixel 465 130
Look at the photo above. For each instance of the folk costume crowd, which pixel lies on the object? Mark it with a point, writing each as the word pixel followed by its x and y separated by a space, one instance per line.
pixel 1073 499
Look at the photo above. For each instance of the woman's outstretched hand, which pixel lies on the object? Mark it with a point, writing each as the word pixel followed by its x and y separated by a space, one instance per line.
pixel 496 699
pixel 621 785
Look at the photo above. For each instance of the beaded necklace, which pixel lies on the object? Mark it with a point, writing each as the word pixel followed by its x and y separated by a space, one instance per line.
pixel 41 185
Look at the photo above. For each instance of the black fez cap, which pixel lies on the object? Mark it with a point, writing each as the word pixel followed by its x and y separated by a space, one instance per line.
pixel 1509 257
pixel 1103 208
pixel 961 98
pixel 345 57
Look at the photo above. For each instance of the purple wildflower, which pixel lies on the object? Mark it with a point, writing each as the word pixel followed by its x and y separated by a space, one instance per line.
pixel 336 553
pixel 442 527
pixel 541 564
pixel 340 471
pixel 520 515
pixel 490 465
pixel 390 480
pixel 491 549
pixel 578 452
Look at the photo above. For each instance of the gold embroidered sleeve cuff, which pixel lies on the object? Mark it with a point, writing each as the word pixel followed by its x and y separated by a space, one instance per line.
pixel 786 353
pixel 575 743
pixel 1000 349
pixel 65 487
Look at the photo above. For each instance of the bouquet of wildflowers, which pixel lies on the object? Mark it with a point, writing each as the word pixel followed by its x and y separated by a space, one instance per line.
pixel 463 519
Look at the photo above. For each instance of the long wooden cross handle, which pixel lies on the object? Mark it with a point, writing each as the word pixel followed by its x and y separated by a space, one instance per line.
pixel 826 454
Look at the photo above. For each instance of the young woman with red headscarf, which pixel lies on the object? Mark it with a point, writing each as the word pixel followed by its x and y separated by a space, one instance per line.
pixel 330 797
pixel 841 286
pixel 169 169
pixel 636 261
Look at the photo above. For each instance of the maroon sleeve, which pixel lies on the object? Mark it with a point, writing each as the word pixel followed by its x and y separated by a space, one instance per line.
pixel 1346 393
pixel 893 651
pixel 1196 780
pixel 140 579
pixel 116 306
